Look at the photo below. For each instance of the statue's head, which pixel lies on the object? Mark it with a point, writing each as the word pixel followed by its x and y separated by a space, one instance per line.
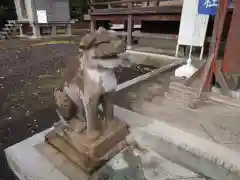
pixel 101 47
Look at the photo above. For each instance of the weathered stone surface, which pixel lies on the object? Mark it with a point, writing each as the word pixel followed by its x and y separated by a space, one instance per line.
pixel 65 104
pixel 33 158
pixel 115 133
pixel 93 148
pixel 103 43
pixel 77 125
pixel 103 64
pixel 102 37
pixel 87 41
pixel 81 154
pixel 104 50
pixel 70 72
pixel 88 144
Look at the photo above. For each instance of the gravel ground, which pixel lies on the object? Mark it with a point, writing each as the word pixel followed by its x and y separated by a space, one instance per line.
pixel 26 93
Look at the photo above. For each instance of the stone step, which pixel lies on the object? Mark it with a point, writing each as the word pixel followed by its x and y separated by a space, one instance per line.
pixel 2 37
pixel 3 33
pixel 34 159
pixel 6 29
pixel 11 21
pixel 9 25
pixel 188 150
pixel 156 167
pixel 198 154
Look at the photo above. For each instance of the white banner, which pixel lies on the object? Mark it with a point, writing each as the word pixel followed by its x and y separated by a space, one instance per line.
pixel 193 26
pixel 42 16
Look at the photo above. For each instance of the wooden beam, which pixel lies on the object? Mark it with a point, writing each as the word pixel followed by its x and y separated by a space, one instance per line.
pixel 222 81
pixel 118 2
pixel 129 29
pixel 170 10
pixel 158 17
pixel 145 17
pixel 149 35
pixel 212 96
pixel 214 47
pixel 163 3
pixel 205 82
pixel 195 76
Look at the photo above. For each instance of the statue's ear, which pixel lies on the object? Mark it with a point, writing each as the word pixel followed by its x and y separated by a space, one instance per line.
pixel 87 41
pixel 101 30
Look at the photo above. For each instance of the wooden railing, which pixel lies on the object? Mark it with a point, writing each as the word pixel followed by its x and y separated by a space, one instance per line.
pixel 132 3
pixel 134 10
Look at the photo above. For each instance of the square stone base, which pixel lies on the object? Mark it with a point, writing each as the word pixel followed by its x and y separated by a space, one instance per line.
pixel 87 153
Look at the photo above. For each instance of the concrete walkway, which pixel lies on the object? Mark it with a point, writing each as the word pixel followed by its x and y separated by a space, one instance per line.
pixel 213 122
pixel 216 122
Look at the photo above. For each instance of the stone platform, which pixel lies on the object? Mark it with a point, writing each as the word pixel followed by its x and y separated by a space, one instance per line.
pixel 32 159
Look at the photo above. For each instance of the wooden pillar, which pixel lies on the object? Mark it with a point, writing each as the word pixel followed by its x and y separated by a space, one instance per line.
pixel 129 29
pixel 92 20
pixel 54 30
pixel 129 34
pixel 69 29
pixel 205 83
pixel 92 24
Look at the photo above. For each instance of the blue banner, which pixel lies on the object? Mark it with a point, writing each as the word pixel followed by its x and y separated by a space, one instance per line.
pixel 208 7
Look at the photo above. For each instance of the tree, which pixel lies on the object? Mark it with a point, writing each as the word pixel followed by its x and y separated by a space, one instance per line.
pixel 78 8
pixel 7 11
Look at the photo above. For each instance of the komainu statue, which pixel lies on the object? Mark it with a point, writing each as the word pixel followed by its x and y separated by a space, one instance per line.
pixel 88 133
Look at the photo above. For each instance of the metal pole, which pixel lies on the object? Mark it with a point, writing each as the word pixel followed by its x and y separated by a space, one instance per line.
pixel 193 37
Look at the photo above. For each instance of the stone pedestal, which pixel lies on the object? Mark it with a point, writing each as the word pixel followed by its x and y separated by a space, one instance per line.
pixel 34 159
pixel 89 152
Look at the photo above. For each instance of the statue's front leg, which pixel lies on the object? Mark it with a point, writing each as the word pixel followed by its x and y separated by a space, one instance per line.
pixel 108 106
pixel 91 109
pixel 91 98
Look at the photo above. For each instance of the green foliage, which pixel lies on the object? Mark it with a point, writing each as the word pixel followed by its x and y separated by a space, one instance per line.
pixel 78 8
pixel 2 10
pixel 104 23
pixel 7 11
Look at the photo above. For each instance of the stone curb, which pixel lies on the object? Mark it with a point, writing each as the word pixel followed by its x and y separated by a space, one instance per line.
pixel 195 153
